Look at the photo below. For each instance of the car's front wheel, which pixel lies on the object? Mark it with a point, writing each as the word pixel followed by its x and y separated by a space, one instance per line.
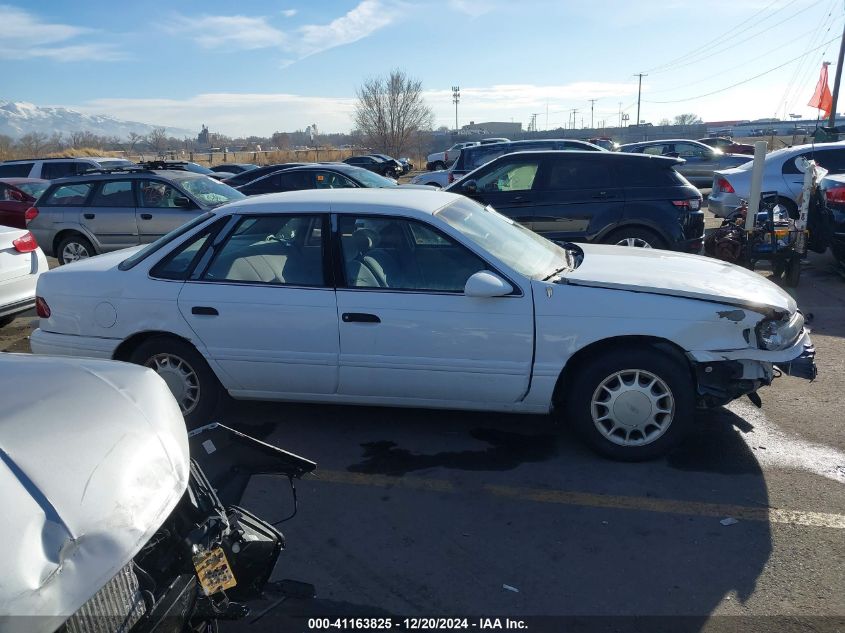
pixel 631 404
pixel 74 247
pixel 191 381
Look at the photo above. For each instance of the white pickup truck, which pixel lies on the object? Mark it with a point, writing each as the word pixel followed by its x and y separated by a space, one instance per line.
pixel 441 160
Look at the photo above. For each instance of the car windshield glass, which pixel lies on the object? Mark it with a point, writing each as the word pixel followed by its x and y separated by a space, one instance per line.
pixel 523 250
pixel 151 248
pixel 369 179
pixel 209 191
pixel 34 189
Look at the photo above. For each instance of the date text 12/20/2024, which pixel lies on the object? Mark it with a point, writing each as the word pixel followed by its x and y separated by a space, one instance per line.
pixel 416 624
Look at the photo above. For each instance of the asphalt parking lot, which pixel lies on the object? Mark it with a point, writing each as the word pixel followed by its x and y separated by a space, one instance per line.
pixel 441 513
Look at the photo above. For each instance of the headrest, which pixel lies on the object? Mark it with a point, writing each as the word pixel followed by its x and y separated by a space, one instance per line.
pixel 364 239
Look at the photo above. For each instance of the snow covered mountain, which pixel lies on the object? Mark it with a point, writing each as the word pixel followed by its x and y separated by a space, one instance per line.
pixel 18 118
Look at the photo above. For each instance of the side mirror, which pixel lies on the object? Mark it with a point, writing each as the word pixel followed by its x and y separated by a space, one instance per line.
pixel 485 284
pixel 183 202
pixel 470 186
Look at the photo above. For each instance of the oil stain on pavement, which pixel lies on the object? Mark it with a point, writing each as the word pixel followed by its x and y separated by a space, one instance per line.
pixel 506 451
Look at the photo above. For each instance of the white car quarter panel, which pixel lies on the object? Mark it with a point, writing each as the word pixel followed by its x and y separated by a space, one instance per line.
pixel 270 339
pixel 436 347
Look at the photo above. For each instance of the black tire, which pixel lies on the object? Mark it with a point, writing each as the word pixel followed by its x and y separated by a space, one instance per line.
pixel 439 165
pixel 636 234
pixel 676 379
pixel 792 273
pixel 74 242
pixel 208 388
pixel 790 206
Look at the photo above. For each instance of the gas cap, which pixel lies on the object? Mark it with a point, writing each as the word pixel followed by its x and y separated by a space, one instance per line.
pixel 105 315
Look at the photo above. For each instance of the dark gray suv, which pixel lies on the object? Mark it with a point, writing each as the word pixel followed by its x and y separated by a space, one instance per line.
pixel 83 216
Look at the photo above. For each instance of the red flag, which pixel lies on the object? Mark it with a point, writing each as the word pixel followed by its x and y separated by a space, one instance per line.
pixel 822 98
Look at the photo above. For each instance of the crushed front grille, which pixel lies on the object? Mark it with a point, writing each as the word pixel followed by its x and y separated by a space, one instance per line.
pixel 114 609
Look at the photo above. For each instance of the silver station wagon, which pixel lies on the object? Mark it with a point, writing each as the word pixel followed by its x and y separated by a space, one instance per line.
pixel 82 216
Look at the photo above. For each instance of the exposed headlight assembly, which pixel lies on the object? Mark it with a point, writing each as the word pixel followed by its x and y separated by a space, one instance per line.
pixel 777 334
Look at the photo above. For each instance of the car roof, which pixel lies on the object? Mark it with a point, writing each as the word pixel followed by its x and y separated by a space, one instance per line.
pixel 659 141
pixel 22 181
pixel 576 141
pixel 370 201
pixel 176 174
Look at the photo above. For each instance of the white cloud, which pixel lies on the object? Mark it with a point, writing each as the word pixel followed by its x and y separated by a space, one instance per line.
pixel 249 33
pixel 243 114
pixel 26 36
pixel 364 20
pixel 235 31
pixel 234 114
pixel 472 8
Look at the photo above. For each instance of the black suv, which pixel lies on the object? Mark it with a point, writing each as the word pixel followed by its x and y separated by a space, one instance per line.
pixel 475 156
pixel 624 199
pixel 374 164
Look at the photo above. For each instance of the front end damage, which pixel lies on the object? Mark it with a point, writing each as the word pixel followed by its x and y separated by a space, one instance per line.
pixel 722 376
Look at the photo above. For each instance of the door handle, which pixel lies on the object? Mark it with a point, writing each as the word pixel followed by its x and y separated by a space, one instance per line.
pixel 359 317
pixel 88 216
pixel 521 199
pixel 146 216
pixel 204 310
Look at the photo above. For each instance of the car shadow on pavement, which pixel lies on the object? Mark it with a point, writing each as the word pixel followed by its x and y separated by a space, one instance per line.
pixel 573 549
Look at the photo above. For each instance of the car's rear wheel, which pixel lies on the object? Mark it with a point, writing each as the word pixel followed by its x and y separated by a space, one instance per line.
pixel 439 165
pixel 631 404
pixel 187 374
pixel 636 237
pixel 74 247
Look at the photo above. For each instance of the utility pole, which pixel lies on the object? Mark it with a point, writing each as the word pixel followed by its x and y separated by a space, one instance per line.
pixel 620 114
pixel 639 94
pixel 456 96
pixel 592 105
pixel 573 112
pixel 832 121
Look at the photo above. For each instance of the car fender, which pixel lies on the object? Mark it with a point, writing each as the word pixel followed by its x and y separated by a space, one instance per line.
pixel 569 318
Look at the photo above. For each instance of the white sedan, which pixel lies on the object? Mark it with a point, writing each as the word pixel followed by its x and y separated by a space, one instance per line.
pixel 21 263
pixel 427 299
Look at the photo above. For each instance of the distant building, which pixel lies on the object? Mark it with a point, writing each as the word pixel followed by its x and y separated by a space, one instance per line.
pixel 206 139
pixel 493 128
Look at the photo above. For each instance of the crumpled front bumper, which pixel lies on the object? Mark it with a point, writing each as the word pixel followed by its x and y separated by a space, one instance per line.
pixel 802 366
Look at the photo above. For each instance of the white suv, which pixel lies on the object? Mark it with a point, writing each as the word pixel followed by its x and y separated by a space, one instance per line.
pixel 51 168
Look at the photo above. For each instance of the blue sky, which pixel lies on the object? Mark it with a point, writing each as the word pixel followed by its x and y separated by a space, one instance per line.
pixel 252 67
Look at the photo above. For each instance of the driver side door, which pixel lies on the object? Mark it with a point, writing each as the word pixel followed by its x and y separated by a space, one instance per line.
pixel 157 213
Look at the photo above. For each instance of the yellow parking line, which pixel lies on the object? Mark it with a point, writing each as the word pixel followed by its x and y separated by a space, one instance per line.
pixel 591 500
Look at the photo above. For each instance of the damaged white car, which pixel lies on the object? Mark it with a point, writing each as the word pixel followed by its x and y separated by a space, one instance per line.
pixel 428 299
pixel 110 526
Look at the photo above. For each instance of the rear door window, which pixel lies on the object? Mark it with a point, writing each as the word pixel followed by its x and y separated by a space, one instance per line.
pixel 15 170
pixel 69 195
pixel 578 173
pixel 114 193
pixel 61 168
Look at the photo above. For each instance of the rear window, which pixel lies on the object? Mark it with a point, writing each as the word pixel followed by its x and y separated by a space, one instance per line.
pixel 68 195
pixel 634 174
pixel 16 170
pixel 61 168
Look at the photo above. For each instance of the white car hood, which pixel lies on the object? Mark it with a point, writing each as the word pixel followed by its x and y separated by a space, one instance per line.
pixel 678 274
pixel 93 458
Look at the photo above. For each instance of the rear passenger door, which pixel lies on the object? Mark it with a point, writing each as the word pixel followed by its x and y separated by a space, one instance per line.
pixel 577 196
pixel 110 215
pixel 263 308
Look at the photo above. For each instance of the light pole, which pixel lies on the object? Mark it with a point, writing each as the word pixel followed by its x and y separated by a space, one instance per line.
pixel 456 96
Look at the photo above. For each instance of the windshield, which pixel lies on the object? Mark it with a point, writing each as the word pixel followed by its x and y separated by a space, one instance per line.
pixel 209 191
pixel 151 248
pixel 523 250
pixel 34 189
pixel 369 179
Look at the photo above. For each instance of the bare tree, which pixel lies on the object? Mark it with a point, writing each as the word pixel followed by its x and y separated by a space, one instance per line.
pixel 390 110
pixel 134 139
pixel 157 139
pixel 688 119
pixel 33 143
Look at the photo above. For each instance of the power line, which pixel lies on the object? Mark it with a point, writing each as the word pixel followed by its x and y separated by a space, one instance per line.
pixel 721 37
pixel 709 54
pixel 771 70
